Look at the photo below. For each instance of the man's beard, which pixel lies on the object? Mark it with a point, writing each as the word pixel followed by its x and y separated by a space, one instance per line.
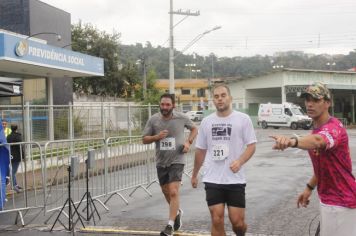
pixel 166 112
pixel 223 108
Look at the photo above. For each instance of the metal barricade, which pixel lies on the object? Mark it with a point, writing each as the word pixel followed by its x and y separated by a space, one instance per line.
pixel 189 157
pixel 24 190
pixel 129 165
pixel 58 158
pixel 343 121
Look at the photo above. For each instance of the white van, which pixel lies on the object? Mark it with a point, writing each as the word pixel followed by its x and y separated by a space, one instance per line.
pixel 283 115
pixel 195 115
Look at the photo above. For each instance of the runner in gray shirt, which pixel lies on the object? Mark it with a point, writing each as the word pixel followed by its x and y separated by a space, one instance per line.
pixel 166 129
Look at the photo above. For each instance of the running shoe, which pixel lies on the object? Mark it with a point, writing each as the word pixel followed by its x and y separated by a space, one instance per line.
pixel 178 220
pixel 168 231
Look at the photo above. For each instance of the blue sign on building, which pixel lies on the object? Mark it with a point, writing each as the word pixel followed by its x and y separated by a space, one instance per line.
pixel 14 48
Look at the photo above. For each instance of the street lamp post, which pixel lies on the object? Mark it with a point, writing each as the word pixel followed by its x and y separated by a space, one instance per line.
pixel 142 61
pixel 197 38
pixel 171 50
pixel 212 66
pixel 59 37
pixel 277 66
pixel 190 69
pixel 331 65
pixel 171 47
pixel 196 73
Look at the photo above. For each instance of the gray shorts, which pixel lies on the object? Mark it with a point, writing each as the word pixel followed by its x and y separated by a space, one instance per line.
pixel 172 173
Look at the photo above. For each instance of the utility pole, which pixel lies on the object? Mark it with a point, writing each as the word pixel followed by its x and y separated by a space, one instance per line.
pixel 142 62
pixel 171 43
pixel 144 79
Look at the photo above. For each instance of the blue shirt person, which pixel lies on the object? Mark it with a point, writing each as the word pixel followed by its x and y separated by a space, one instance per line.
pixel 4 166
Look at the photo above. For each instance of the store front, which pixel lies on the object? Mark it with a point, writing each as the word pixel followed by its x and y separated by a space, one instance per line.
pixel 37 64
pixel 34 65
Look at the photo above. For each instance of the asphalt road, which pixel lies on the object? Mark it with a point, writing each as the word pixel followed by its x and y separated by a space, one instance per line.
pixel 275 178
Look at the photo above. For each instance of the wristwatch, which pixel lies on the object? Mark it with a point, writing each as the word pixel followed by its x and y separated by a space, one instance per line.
pixel 296 141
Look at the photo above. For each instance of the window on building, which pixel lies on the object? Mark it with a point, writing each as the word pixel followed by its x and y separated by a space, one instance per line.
pixel 201 92
pixel 185 91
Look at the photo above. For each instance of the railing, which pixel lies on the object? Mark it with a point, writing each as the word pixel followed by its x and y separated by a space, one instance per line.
pixel 122 164
pixel 30 176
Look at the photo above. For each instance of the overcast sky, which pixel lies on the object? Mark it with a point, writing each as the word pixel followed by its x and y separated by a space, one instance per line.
pixel 249 27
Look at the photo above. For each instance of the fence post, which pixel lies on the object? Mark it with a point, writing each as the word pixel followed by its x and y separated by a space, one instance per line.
pixel 51 123
pixel 88 123
pixel 28 150
pixel 27 128
pixel 103 120
pixel 71 127
pixel 149 110
pixel 108 119
pixel 106 155
pixel 71 120
pixel 129 119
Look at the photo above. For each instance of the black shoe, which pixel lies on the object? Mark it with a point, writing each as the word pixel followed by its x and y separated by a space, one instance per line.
pixel 168 231
pixel 7 180
pixel 17 189
pixel 178 220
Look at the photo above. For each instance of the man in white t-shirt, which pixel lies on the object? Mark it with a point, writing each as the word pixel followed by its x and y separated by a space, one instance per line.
pixel 226 141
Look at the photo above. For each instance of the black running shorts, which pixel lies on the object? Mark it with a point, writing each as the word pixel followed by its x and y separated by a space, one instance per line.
pixel 229 194
pixel 172 173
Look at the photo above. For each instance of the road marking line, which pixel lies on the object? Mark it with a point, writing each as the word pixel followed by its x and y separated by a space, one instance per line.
pixel 140 232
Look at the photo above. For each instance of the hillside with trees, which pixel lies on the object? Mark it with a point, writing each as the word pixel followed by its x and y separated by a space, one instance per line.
pixel 124 63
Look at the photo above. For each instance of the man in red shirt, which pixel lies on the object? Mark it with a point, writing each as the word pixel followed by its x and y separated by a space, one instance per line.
pixel 328 148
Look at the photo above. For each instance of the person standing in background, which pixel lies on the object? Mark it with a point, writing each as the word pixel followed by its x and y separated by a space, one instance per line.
pixel 329 151
pixel 4 167
pixel 6 129
pixel 17 154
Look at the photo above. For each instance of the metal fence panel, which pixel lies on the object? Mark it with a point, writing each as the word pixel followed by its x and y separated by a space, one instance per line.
pixel 130 165
pixel 29 176
pixel 58 159
pixel 99 120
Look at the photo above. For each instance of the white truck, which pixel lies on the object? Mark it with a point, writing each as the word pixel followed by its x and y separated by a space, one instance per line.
pixel 283 115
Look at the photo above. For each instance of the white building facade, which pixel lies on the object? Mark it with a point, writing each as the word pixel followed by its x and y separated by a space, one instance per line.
pixel 287 84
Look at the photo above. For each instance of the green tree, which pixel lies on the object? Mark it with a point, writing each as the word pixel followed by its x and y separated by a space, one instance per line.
pixel 152 94
pixel 88 39
pixel 130 77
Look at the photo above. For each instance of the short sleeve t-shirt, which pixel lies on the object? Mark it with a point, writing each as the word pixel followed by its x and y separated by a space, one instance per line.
pixel 169 150
pixel 333 167
pixel 225 139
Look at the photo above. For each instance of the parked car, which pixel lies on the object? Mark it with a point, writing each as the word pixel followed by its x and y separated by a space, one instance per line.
pixel 195 115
